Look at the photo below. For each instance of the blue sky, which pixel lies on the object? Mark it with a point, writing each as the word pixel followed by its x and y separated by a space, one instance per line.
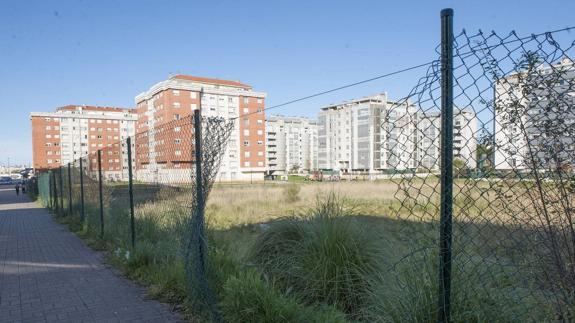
pixel 55 53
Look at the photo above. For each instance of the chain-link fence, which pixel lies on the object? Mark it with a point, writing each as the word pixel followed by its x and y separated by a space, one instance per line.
pixel 488 138
pixel 143 195
pixel 480 156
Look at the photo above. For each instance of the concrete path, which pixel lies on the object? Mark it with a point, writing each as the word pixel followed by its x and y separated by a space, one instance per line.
pixel 47 274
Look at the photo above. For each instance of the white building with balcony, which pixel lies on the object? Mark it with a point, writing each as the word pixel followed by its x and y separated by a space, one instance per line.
pixel 291 145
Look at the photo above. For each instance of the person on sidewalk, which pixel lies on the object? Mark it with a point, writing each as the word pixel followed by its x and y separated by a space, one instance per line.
pixel 23 189
pixel 17 189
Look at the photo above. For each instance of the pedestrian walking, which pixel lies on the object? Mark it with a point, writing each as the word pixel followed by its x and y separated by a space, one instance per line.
pixel 17 189
pixel 23 189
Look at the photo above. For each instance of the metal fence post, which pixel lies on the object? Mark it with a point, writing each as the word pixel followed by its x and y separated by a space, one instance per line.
pixel 101 195
pixel 55 202
pixel 446 180
pixel 50 190
pixel 61 190
pixel 131 191
pixel 69 189
pixel 199 187
pixel 82 214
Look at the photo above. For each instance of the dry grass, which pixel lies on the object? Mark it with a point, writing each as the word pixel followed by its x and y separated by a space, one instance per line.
pixel 242 205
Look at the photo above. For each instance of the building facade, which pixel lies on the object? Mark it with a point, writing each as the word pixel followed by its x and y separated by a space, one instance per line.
pixel 291 145
pixel 464 138
pixel 164 146
pixel 535 118
pixel 71 132
pixel 374 135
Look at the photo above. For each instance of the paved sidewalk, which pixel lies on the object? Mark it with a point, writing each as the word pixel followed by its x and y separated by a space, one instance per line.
pixel 47 274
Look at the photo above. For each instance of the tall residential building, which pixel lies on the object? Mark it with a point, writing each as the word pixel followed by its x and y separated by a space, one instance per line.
pixel 464 138
pixel 73 131
pixel 374 134
pixel 366 134
pixel 535 117
pixel 167 106
pixel 291 144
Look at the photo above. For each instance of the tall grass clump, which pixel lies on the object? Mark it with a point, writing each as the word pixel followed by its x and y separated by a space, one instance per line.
pixel 292 193
pixel 324 256
pixel 409 293
pixel 249 298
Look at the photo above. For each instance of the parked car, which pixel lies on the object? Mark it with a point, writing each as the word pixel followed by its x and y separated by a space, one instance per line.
pixel 5 180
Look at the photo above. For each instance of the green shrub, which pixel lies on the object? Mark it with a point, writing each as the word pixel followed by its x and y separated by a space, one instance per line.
pixel 292 193
pixel 324 257
pixel 248 298
pixel 410 294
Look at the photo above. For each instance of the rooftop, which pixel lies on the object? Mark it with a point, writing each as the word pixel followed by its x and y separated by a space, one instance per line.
pixel 71 107
pixel 211 81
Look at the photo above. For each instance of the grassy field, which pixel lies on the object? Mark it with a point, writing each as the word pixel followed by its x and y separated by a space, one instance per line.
pixel 317 252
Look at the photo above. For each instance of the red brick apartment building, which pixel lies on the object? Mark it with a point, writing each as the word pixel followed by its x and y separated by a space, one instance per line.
pixel 72 131
pixel 164 128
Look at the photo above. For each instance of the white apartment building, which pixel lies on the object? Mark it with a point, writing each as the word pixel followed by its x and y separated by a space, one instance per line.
pixel 291 145
pixel 535 117
pixel 368 135
pixel 464 138
pixel 175 99
pixel 75 131
pixel 374 134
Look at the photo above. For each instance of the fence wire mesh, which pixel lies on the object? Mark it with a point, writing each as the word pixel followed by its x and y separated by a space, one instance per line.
pixel 512 243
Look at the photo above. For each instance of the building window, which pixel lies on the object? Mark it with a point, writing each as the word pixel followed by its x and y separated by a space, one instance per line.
pixel 178 152
pixel 246 143
pixel 178 141
pixel 48 136
pixel 176 92
pixel 260 163
pixel 260 121
pixel 260 100
pixel 193 95
pixel 247 164
pixel 176 105
pixel 176 117
pixel 260 132
pixel 194 106
pixel 246 100
pixel 246 110
pixel 260 142
pixel 260 153
pixel 247 154
pixel 177 129
pixel 246 132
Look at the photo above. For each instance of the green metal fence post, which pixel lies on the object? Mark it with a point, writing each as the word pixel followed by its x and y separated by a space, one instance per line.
pixel 82 214
pixel 131 191
pixel 199 186
pixel 61 190
pixel 446 180
pixel 55 201
pixel 69 189
pixel 101 195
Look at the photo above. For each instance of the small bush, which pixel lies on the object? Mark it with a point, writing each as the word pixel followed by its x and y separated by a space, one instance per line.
pixel 324 258
pixel 248 298
pixel 292 193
